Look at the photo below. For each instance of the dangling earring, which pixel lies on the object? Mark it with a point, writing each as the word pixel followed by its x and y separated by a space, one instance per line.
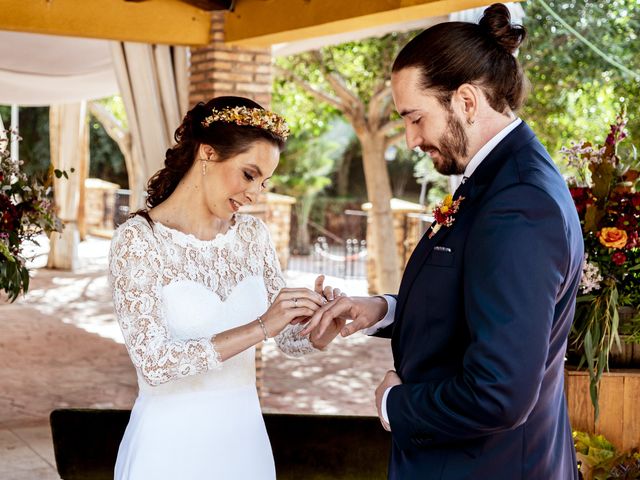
pixel 470 121
pixel 204 167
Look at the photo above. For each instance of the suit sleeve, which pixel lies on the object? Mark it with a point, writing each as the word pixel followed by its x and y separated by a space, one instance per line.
pixel 514 266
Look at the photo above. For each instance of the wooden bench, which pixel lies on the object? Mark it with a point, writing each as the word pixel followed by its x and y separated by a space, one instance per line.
pixel 309 447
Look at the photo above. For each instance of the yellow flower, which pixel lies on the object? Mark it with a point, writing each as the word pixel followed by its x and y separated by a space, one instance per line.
pixel 612 237
pixel 448 201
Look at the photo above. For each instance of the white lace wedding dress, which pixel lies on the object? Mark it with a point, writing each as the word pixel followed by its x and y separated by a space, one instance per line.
pixel 195 417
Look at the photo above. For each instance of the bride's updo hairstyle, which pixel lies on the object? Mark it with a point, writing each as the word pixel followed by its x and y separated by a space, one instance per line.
pixel 227 138
pixel 452 53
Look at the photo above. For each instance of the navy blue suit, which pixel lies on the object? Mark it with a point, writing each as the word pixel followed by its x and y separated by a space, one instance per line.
pixel 481 325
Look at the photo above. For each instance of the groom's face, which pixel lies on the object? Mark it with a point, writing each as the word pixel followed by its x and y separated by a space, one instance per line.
pixel 429 125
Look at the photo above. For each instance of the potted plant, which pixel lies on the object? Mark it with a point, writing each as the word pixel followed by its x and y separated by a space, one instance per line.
pixel 608 203
pixel 26 211
pixel 598 459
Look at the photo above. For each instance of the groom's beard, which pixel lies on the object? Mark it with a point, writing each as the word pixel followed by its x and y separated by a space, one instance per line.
pixel 453 148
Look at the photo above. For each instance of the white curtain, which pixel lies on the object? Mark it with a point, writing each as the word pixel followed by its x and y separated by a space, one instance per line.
pixel 69 137
pixel 44 69
pixel 154 87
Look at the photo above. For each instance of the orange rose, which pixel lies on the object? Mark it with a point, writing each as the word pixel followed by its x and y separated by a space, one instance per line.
pixel 613 237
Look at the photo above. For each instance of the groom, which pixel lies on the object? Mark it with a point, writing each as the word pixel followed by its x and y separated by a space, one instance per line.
pixel 480 324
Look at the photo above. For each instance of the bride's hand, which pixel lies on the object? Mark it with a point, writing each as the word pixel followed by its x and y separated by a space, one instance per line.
pixel 328 293
pixel 290 304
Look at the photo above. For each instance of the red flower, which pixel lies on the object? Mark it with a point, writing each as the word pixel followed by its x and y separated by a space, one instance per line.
pixel 627 222
pixel 633 241
pixel 635 200
pixel 444 213
pixel 618 258
pixel 581 197
pixel 9 217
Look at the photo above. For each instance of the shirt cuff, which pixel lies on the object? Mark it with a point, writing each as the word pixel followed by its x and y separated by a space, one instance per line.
pixel 388 318
pixel 385 415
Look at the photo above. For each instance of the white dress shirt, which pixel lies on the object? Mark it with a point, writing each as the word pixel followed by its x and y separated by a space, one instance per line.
pixel 468 171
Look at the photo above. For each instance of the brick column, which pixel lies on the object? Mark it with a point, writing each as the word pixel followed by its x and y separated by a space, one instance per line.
pixel 218 69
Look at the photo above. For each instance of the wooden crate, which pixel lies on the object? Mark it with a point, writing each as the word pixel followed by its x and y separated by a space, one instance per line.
pixel 619 419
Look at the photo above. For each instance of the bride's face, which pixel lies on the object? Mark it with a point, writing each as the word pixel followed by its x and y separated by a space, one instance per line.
pixel 431 127
pixel 238 181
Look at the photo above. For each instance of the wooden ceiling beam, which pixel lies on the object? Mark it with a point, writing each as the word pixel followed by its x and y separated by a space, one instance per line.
pixel 173 22
pixel 260 23
pixel 210 5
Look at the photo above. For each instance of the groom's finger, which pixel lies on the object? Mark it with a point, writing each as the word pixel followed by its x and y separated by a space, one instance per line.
pixel 385 425
pixel 319 284
pixel 323 315
pixel 353 327
pixel 313 321
pixel 335 309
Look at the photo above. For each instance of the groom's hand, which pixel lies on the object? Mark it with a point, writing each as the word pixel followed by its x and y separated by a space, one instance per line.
pixel 391 379
pixel 363 311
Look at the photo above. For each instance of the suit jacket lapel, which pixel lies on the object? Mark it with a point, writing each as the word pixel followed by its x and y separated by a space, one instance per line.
pixel 426 244
pixel 472 190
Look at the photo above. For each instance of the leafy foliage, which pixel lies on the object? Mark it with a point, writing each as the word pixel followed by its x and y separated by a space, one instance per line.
pixel 107 161
pixel 603 460
pixel 573 87
pixel 303 172
pixel 608 205
pixel 26 210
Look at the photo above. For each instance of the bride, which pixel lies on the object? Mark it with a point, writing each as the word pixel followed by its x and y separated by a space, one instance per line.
pixel 196 286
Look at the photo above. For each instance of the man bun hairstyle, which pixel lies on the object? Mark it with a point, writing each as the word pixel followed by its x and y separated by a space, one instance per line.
pixel 453 53
pixel 496 21
pixel 227 139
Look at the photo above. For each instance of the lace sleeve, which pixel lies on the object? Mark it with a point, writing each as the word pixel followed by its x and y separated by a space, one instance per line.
pixel 289 340
pixel 135 273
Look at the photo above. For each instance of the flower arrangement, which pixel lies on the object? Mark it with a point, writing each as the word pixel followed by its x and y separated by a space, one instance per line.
pixel 444 213
pixel 608 204
pixel 26 211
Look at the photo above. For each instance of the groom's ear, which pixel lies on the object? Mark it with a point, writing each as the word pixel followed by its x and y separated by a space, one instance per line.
pixel 467 97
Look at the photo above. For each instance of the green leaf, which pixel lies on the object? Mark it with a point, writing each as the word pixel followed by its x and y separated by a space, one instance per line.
pixel 25 279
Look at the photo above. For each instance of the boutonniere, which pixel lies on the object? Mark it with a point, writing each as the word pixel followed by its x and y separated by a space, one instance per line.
pixel 444 213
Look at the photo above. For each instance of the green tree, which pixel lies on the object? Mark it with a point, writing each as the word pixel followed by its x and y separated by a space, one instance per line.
pixel 575 92
pixel 106 160
pixel 304 172
pixel 33 128
pixel 353 79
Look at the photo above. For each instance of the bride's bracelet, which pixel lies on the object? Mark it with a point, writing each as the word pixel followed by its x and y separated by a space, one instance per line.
pixel 264 329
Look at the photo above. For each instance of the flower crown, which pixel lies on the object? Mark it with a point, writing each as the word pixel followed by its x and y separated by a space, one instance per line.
pixel 252 117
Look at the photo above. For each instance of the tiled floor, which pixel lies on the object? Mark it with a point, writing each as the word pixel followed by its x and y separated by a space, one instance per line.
pixel 27 454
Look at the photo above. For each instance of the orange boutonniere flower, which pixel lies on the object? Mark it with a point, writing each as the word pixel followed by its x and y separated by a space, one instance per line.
pixel 444 213
pixel 612 237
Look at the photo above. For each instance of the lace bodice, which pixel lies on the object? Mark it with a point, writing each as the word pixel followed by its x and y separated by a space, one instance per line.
pixel 173 292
